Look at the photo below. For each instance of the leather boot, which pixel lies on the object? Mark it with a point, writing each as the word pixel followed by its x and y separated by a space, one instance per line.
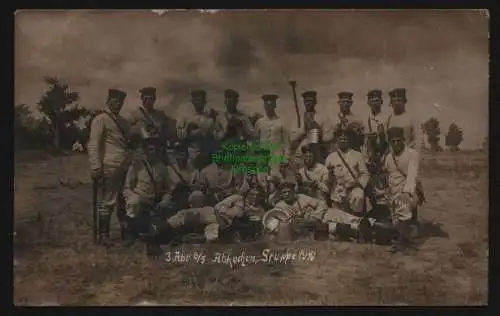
pixel 104 226
pixel 129 232
pixel 364 234
pixel 403 240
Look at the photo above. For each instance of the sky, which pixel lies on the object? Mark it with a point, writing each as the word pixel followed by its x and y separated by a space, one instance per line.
pixel 440 56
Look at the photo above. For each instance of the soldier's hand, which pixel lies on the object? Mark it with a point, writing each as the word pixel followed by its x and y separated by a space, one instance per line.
pixel 97 174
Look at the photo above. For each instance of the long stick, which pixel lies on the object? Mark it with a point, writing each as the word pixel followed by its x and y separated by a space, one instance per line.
pixel 94 211
pixel 294 85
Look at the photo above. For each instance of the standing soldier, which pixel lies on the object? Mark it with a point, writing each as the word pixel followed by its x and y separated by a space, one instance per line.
pixel 346 118
pixel 402 166
pixel 109 158
pixel 349 174
pixel 272 133
pixel 154 120
pixel 317 129
pixel 313 176
pixel 236 126
pixel 200 126
pixel 411 128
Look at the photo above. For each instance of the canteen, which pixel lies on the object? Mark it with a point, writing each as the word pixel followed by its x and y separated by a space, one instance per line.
pixel 313 136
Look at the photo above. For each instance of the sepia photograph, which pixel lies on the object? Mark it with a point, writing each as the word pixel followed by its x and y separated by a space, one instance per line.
pixel 251 157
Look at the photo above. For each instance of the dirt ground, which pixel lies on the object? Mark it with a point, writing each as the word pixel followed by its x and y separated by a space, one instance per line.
pixel 56 262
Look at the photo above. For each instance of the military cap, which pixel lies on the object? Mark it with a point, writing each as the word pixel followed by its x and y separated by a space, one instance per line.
pixel 116 94
pixel 270 97
pixel 199 94
pixel 306 148
pixel 148 91
pixel 395 132
pixel 374 93
pixel 347 132
pixel 345 95
pixel 309 94
pixel 398 93
pixel 229 93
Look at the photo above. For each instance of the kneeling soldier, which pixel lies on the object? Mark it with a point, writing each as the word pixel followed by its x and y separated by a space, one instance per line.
pixel 402 165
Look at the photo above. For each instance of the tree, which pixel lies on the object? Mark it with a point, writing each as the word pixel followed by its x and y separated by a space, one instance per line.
pixel 56 104
pixel 454 137
pixel 433 131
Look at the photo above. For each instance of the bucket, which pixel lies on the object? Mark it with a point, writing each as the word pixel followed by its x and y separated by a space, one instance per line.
pixel 313 136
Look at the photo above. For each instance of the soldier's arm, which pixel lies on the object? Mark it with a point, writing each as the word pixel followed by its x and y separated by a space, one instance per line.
pixel 417 136
pixel 230 201
pixel 96 142
pixel 218 129
pixel 285 139
pixel 314 203
pixel 181 127
pixel 328 130
pixel 412 173
pixel 323 178
pixel 168 185
pixel 130 180
pixel 364 175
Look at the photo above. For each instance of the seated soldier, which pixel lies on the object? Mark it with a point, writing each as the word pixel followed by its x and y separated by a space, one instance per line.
pixel 348 174
pixel 184 221
pixel 402 165
pixel 293 211
pixel 228 181
pixel 313 177
pixel 241 213
pixel 148 185
pixel 204 177
pixel 282 220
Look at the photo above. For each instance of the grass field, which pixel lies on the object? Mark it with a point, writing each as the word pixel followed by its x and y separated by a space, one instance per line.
pixel 56 262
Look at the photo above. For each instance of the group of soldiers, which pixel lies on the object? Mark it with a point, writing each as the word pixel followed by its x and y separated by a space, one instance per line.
pixel 345 177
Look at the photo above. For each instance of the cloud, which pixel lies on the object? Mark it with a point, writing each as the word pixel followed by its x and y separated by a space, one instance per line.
pixel 439 56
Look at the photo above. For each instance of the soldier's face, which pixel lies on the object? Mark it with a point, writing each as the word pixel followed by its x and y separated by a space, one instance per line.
pixel 151 151
pixel 343 142
pixel 310 104
pixel 345 105
pixel 148 101
pixel 308 159
pixel 115 105
pixel 269 107
pixel 253 197
pixel 288 195
pixel 231 103
pixel 398 103
pixel 375 103
pixel 199 104
pixel 397 144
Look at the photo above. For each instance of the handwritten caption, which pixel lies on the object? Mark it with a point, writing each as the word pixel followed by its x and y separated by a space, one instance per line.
pixel 241 259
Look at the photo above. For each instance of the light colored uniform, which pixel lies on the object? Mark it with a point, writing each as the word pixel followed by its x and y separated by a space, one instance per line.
pixel 223 121
pixel 236 206
pixel 197 216
pixel 317 176
pixel 352 199
pixel 327 126
pixel 107 149
pixel 411 128
pixel 273 132
pixel 305 207
pixel 408 163
pixel 142 192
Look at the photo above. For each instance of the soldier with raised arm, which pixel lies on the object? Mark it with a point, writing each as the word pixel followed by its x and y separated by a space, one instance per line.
pixel 200 126
pixel 271 133
pixel 235 124
pixel 109 157
pixel 322 125
pixel 347 119
pixel 402 164
pixel 155 121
